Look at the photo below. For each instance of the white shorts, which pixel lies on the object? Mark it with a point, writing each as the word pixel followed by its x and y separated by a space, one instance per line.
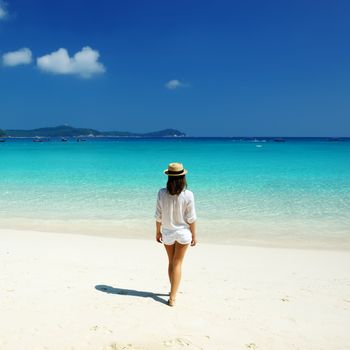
pixel 181 236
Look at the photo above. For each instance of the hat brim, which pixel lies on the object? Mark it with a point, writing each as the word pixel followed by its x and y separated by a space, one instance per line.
pixel 182 173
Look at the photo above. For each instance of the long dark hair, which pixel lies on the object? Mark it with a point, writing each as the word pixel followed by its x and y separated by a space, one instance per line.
pixel 176 184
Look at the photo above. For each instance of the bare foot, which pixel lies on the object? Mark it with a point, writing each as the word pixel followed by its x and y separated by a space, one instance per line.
pixel 171 302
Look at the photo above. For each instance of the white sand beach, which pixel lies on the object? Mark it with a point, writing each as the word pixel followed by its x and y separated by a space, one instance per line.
pixel 71 291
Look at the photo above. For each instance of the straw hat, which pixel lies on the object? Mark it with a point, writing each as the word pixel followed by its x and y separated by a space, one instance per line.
pixel 175 169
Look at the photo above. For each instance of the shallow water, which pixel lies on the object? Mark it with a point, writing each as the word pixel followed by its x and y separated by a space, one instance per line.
pixel 245 191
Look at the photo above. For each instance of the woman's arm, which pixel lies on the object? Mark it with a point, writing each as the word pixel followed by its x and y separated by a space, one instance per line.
pixel 193 231
pixel 158 217
pixel 158 232
pixel 191 217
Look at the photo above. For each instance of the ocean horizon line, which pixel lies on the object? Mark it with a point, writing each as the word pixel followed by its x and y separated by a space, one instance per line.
pixel 67 130
pixel 239 137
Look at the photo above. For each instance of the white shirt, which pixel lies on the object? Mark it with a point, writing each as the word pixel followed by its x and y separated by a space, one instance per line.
pixel 175 212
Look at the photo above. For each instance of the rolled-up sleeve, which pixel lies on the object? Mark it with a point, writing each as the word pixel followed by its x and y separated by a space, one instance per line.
pixel 158 213
pixel 191 216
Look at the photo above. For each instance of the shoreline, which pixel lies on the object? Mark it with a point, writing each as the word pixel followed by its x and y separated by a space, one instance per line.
pixel 69 291
pixel 125 230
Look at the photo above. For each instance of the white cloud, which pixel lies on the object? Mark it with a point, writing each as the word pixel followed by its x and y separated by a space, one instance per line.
pixel 14 58
pixel 3 12
pixel 84 63
pixel 174 84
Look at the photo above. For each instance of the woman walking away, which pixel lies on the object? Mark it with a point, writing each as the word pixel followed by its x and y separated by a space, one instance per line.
pixel 175 222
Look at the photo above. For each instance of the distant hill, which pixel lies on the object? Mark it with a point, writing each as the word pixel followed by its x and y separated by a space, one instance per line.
pixel 165 132
pixel 69 131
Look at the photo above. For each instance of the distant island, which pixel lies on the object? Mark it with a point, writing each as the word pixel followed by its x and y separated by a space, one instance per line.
pixel 69 131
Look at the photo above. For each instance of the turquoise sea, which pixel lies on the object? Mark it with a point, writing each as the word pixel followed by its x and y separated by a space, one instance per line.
pixel 293 193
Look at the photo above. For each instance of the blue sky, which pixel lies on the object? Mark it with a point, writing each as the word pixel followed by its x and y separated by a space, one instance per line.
pixel 208 68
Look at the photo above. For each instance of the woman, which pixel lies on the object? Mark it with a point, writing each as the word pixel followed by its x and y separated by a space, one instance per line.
pixel 175 222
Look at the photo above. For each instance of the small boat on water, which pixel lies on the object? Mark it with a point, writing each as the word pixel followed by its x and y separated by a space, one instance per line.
pixel 64 139
pixel 2 140
pixel 80 140
pixel 40 139
pixel 279 140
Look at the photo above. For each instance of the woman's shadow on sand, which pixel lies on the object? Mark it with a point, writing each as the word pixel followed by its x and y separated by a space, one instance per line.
pixel 132 292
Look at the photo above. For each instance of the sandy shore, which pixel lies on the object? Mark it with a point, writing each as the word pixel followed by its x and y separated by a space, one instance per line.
pixel 67 291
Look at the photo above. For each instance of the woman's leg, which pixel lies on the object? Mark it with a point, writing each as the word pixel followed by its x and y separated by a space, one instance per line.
pixel 180 250
pixel 170 249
